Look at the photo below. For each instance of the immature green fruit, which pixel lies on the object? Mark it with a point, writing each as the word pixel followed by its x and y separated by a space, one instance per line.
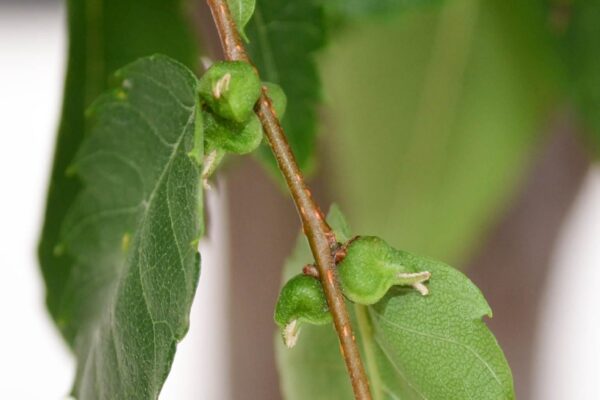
pixel 231 88
pixel 278 98
pixel 231 136
pixel 301 301
pixel 371 266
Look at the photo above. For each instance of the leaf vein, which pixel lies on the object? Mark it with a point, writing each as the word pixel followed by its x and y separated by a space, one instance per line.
pixel 439 338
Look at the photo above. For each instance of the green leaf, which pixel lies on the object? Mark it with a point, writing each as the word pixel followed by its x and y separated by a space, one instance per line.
pixel 431 136
pixel 241 11
pixel 132 231
pixel 284 37
pixel 414 347
pixel 103 36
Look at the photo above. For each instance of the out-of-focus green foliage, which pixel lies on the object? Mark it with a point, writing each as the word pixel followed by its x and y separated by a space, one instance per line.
pixel 436 114
pixel 284 37
pixel 354 9
pixel 576 25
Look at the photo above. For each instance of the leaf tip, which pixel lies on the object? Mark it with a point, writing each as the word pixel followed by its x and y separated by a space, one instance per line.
pixel 244 36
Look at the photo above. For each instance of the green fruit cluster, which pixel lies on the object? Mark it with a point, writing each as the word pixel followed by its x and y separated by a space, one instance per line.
pixel 369 268
pixel 229 91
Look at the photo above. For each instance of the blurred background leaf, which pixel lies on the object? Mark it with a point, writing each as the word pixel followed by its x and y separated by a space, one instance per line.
pixel 284 36
pixel 351 9
pixel 435 115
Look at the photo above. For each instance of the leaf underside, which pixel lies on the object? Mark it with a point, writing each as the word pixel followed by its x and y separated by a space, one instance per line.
pixel 132 232
pixel 413 347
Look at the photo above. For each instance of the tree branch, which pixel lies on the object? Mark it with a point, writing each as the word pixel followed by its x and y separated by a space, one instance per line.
pixel 320 236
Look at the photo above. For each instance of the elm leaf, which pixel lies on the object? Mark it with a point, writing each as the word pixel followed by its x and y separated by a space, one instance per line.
pixel 132 231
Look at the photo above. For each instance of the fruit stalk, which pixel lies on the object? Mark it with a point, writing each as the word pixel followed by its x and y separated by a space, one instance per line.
pixel 320 236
